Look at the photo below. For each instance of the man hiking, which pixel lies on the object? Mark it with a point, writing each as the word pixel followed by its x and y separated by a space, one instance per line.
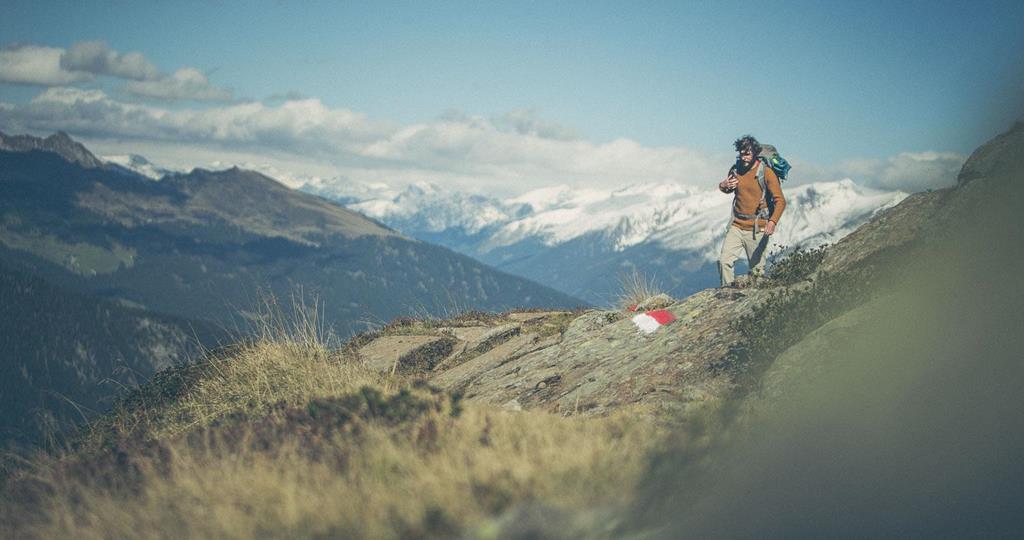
pixel 756 209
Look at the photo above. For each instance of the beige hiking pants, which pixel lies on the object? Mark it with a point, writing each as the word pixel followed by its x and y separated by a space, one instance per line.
pixel 737 241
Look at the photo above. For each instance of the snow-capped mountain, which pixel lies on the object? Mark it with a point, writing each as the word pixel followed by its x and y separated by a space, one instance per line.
pixel 582 240
pixel 138 164
pixel 456 220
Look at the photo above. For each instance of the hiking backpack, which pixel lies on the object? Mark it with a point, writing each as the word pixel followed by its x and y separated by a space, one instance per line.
pixel 770 156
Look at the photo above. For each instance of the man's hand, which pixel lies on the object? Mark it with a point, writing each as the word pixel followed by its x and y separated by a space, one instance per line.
pixel 769 228
pixel 729 183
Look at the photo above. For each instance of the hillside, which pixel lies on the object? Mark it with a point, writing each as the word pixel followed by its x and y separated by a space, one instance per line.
pixel 879 377
pixel 151 272
pixel 205 245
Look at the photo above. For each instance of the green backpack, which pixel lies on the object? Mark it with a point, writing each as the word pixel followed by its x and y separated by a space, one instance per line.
pixel 770 157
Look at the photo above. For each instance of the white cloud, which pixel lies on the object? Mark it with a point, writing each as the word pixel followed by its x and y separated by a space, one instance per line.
pixel 52 66
pixel 186 83
pixel 301 128
pixel 476 146
pixel 306 138
pixel 526 122
pixel 97 58
pixel 70 96
pixel 471 150
pixel 33 64
pixel 907 171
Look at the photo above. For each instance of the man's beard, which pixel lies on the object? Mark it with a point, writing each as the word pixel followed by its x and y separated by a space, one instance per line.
pixel 742 168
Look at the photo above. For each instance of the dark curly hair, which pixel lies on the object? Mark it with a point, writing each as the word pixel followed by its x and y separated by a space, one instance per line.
pixel 748 142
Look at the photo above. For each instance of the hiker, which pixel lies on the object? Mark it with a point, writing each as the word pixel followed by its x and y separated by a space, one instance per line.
pixel 757 205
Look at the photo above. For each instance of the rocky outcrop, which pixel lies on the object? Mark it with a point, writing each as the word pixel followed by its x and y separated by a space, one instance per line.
pixel 890 229
pixel 59 143
pixel 589 363
pixel 997 157
pixel 602 362
pixel 598 361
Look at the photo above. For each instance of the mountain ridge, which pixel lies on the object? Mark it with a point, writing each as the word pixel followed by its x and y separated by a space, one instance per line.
pixel 215 216
pixel 59 143
pixel 581 241
pixel 208 249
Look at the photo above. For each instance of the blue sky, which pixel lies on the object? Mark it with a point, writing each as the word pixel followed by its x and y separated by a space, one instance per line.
pixel 828 84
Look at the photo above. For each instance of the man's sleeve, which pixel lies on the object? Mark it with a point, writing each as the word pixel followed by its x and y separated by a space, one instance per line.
pixel 775 191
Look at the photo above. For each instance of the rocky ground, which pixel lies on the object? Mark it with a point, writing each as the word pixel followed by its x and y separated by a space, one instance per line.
pixel 588 362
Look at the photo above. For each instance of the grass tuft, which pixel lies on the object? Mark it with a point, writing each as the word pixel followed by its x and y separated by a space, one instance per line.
pixel 636 288
pixel 289 360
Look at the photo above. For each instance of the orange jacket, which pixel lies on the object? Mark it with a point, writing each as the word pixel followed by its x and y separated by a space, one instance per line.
pixel 748 197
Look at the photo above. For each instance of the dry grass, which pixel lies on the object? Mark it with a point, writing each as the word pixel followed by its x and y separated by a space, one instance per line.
pixel 288 361
pixel 283 437
pixel 374 482
pixel 636 288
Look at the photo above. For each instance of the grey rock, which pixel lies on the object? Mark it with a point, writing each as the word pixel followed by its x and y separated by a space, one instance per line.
pixel 655 302
pixel 590 321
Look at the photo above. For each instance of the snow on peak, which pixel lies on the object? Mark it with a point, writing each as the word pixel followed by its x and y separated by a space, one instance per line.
pixel 138 164
pixel 674 216
pixel 626 216
pixel 827 211
pixel 427 207
pixel 544 198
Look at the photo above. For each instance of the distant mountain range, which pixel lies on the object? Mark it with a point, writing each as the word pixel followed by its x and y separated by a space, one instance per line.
pixel 581 241
pixel 204 244
pixel 584 241
pixel 91 249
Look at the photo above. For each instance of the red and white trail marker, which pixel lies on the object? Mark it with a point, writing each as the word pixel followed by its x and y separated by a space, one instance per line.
pixel 652 320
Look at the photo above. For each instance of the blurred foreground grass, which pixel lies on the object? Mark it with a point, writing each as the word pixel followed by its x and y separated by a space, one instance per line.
pixel 284 436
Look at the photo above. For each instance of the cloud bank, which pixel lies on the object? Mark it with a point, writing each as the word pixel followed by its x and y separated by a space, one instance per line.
pixel 509 153
pixel 97 58
pixel 84 61
pixel 186 83
pixel 36 65
pixel 908 171
pixel 462 149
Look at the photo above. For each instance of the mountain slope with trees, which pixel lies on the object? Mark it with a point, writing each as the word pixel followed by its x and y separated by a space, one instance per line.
pixel 164 268
pixel 66 355
pixel 206 244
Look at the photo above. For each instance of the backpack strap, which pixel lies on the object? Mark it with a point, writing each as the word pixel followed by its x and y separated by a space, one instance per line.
pixel 762 163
